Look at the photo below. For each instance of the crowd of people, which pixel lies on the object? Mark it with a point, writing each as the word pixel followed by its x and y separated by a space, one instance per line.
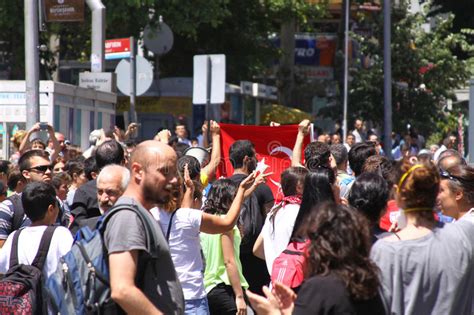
pixel 371 235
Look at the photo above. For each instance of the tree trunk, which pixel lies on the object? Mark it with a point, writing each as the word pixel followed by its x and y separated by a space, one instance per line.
pixel 287 62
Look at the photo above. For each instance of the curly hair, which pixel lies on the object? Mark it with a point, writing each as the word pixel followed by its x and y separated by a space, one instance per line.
pixel 220 196
pixel 340 244
pixel 418 188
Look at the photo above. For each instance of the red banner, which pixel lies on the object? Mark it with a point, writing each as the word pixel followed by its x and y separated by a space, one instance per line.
pixel 274 147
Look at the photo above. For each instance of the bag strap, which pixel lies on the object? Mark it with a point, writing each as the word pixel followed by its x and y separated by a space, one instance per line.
pixel 18 211
pixel 14 250
pixel 169 225
pixel 43 249
pixel 150 230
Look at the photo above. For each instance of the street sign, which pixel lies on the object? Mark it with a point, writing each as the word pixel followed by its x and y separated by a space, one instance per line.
pixel 64 10
pixel 101 81
pixel 117 48
pixel 209 68
pixel 259 90
pixel 158 39
pixel 144 75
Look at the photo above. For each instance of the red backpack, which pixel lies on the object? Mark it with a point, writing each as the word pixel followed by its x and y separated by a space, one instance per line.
pixel 288 268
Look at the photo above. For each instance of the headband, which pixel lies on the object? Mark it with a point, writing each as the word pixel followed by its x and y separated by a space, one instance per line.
pixel 404 176
pixel 417 209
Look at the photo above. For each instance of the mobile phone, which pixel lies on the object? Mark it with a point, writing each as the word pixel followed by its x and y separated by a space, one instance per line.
pixel 43 126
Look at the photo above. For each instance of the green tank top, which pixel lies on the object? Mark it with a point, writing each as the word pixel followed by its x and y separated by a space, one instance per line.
pixel 215 271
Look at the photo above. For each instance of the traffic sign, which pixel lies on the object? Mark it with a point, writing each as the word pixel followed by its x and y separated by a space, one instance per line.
pixel 117 48
pixel 158 39
pixel 144 75
pixel 209 68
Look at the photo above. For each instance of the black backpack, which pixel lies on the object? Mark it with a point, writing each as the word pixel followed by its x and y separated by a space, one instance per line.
pixel 250 223
pixel 21 290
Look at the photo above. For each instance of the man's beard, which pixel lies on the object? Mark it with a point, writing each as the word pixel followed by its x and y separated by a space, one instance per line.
pixel 151 196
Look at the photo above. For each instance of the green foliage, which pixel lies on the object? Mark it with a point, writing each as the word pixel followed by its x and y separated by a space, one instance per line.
pixel 425 71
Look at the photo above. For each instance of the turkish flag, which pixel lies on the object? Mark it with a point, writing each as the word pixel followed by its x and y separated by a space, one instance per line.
pixel 273 145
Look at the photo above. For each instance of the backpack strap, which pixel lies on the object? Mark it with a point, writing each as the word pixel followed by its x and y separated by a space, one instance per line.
pixel 18 211
pixel 43 249
pixel 169 225
pixel 14 249
pixel 150 230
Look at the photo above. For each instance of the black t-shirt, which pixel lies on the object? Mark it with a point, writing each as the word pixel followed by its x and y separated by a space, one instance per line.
pixel 328 295
pixel 262 192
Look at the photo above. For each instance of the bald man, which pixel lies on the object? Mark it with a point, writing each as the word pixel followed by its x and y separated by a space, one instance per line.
pixel 157 291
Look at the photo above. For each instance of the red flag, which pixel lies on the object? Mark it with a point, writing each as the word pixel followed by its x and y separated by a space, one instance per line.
pixel 274 147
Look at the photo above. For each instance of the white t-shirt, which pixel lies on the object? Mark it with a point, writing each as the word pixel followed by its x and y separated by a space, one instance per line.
pixel 185 248
pixel 28 244
pixel 276 235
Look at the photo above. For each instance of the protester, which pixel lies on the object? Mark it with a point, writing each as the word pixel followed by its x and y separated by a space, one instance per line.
pixel 243 158
pixel 16 140
pixel 182 224
pixel 456 191
pixel 59 165
pixel 340 276
pixel 350 141
pixel 339 152
pixel 85 203
pixel 60 182
pixel 369 195
pixel 41 207
pixel 35 167
pixel 389 170
pixel 181 131
pixel 319 186
pixel 315 154
pixel 16 182
pixel 276 231
pixel 37 144
pixel 358 132
pixel 449 158
pixel 153 172
pixel 75 170
pixel 423 258
pixel 224 280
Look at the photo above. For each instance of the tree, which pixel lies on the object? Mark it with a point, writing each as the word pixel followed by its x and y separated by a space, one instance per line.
pixel 424 68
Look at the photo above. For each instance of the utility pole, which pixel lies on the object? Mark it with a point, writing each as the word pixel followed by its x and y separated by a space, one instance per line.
pixel 31 63
pixel 133 80
pixel 387 69
pixel 346 68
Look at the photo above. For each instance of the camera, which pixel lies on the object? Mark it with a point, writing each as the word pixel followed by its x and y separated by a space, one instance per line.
pixel 43 126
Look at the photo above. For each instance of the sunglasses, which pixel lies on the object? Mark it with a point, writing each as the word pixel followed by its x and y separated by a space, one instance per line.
pixel 41 168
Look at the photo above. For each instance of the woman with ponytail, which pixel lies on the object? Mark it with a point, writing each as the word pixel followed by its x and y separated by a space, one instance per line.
pixel 280 221
pixel 425 269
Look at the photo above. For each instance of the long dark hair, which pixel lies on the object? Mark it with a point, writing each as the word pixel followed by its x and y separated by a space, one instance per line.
pixel 317 188
pixel 340 244
pixel 220 196
pixel 290 179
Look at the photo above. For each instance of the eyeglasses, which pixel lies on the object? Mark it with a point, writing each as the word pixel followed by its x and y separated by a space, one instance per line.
pixel 41 168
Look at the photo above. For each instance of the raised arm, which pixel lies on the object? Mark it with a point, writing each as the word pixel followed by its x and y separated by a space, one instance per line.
pixel 26 140
pixel 56 145
pixel 210 169
pixel 213 224
pixel 188 199
pixel 227 241
pixel 303 130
